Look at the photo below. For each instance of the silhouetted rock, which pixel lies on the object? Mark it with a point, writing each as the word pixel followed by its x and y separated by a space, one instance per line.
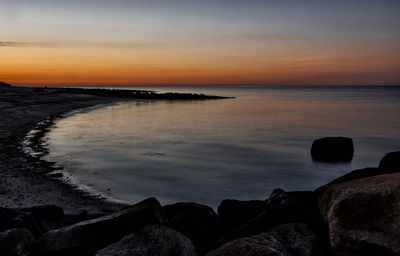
pixel 198 222
pixel 361 173
pixel 73 219
pixel 363 215
pixel 15 242
pixel 152 240
pixel 51 213
pixel 234 213
pixel 284 240
pixel 282 207
pixel 46 216
pixel 38 219
pixel 332 149
pixel 13 219
pixel 2 84
pixel 87 237
pixel 390 160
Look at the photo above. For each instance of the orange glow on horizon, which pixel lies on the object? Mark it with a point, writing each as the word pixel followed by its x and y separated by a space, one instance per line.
pixel 105 43
pixel 53 66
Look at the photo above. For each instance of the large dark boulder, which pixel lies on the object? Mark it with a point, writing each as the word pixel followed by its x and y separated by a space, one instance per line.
pixel 38 219
pixel 282 207
pixel 363 215
pixel 152 240
pixel 359 174
pixel 332 149
pixel 15 242
pixel 285 240
pixel 198 222
pixel 51 213
pixel 87 237
pixel 46 216
pixel 75 218
pixel 13 219
pixel 234 213
pixel 390 160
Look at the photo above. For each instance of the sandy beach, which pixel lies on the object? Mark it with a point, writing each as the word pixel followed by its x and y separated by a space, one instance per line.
pixel 24 179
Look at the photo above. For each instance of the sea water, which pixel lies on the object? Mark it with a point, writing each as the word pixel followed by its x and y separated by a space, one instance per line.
pixel 207 151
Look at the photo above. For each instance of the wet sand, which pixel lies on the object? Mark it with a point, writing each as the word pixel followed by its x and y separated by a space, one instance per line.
pixel 25 180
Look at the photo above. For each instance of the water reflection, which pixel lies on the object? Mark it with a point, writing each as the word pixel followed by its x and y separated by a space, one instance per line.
pixel 206 151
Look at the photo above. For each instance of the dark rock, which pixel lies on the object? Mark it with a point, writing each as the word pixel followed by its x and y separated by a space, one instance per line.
pixel 153 240
pixel 390 160
pixel 49 212
pixel 332 149
pixel 13 219
pixel 15 242
pixel 198 222
pixel 46 216
pixel 359 174
pixel 38 219
pixel 279 195
pixel 87 237
pixel 73 219
pixel 233 213
pixel 285 240
pixel 363 215
pixel 5 216
pixel 282 207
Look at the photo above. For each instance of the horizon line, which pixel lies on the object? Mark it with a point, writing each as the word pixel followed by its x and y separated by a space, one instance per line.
pixel 202 85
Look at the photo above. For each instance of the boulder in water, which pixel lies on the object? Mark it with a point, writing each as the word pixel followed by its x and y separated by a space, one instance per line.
pixel 390 160
pixel 332 149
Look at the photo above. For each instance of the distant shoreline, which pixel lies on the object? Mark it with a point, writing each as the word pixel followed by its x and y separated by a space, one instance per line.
pixel 210 85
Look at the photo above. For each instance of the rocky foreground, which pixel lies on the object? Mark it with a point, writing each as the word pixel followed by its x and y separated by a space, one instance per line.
pixel 356 214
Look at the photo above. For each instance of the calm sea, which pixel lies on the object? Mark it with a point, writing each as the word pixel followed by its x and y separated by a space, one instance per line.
pixel 207 151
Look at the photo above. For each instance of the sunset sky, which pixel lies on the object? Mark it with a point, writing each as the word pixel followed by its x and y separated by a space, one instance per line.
pixel 208 42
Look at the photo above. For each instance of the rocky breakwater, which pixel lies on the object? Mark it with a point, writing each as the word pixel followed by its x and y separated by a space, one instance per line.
pixel 356 214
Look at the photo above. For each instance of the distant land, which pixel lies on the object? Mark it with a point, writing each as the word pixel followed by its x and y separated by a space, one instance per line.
pixel 136 94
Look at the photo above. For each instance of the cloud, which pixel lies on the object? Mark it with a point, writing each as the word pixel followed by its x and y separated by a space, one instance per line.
pixel 125 45
pixel 25 44
pixel 313 59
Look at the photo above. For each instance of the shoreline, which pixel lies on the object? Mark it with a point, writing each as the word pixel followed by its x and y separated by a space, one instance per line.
pixel 35 146
pixel 25 178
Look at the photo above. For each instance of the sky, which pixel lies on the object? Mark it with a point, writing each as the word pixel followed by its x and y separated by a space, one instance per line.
pixel 208 42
